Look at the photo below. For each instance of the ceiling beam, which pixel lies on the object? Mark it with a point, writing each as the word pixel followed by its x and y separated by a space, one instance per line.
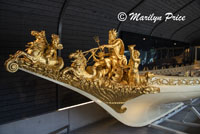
pixel 160 22
pixel 189 35
pixel 60 18
pixel 134 7
pixel 180 28
pixel 60 22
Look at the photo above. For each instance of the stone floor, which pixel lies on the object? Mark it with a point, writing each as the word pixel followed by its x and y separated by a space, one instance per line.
pixel 112 126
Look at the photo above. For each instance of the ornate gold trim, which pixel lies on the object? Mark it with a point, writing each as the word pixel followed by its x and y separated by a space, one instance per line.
pixel 110 78
pixel 174 81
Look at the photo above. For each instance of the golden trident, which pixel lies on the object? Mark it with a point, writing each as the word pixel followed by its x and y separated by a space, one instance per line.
pixel 96 38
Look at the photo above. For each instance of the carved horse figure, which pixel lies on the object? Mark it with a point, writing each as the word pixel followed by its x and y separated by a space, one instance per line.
pixel 78 66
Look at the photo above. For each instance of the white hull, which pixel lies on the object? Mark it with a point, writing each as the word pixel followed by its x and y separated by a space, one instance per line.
pixel 144 109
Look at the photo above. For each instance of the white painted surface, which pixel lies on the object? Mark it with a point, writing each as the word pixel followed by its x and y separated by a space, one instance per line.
pixel 144 109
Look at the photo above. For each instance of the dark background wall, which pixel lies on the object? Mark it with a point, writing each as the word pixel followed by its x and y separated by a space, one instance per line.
pixel 147 42
pixel 23 95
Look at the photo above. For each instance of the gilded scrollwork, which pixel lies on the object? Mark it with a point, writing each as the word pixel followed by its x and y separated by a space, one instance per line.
pixel 174 81
pixel 110 78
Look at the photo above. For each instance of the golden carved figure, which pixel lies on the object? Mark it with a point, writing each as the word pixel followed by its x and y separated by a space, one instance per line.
pixel 134 62
pixel 102 64
pixel 39 53
pixel 78 66
pixel 51 52
pixel 116 55
pixel 38 46
pixel 109 78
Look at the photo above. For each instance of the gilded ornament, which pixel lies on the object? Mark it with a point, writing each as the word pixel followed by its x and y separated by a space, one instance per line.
pixel 111 78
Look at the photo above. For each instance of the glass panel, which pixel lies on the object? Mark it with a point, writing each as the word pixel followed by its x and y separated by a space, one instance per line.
pixel 198 53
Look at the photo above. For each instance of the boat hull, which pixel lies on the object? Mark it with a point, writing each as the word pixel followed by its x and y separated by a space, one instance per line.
pixel 145 109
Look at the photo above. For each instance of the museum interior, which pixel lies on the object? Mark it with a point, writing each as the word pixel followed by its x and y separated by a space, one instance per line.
pixel 99 66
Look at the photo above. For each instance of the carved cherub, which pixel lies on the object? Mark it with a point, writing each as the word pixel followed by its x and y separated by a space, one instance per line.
pixel 103 63
pixel 134 62
pixel 51 52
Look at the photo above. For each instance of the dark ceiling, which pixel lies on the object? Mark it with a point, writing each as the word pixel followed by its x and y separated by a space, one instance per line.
pixel 77 21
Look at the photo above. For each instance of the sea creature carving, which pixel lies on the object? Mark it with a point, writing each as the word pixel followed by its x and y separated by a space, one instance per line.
pixel 110 78
pixel 38 53
pixel 78 66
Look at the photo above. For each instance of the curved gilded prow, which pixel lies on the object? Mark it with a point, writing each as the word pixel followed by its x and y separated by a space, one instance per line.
pixel 118 88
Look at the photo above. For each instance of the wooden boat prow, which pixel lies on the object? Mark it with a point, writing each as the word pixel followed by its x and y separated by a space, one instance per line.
pixel 132 98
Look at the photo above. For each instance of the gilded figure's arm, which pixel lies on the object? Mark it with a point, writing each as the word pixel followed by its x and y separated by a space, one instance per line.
pixel 94 58
pixel 110 46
